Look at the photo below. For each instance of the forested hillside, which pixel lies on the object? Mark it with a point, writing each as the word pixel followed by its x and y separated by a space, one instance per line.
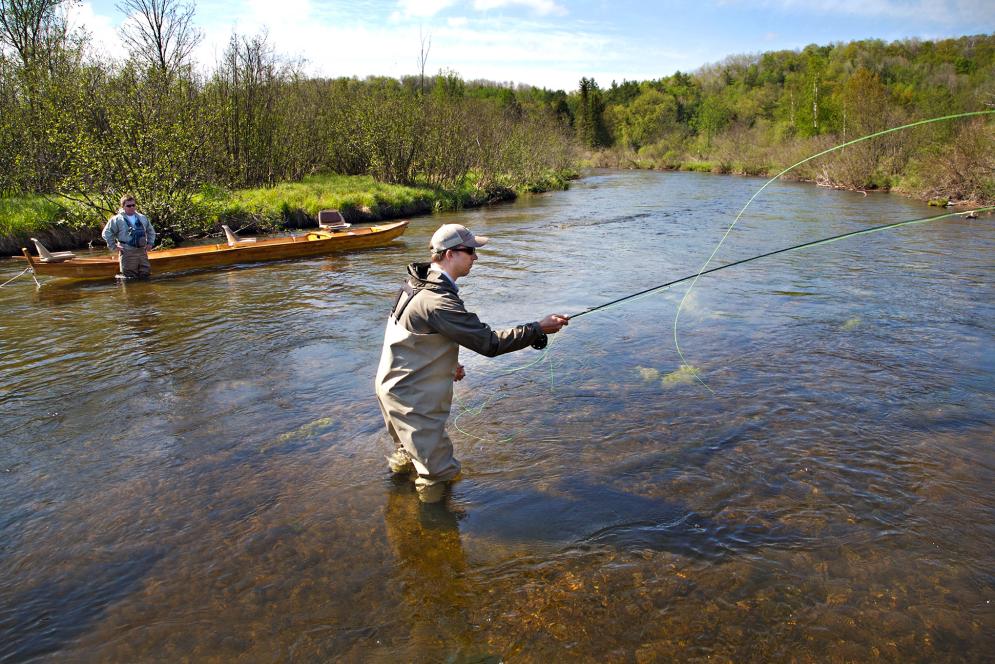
pixel 757 114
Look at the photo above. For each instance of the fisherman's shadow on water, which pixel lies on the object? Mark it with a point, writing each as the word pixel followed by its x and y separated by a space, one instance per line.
pixel 577 514
pixel 447 553
pixel 580 511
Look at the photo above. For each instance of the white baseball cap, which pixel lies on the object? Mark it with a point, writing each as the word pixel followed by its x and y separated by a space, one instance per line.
pixel 454 235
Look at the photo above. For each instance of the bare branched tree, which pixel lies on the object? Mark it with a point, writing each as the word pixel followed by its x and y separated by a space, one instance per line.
pixel 32 27
pixel 426 46
pixel 160 32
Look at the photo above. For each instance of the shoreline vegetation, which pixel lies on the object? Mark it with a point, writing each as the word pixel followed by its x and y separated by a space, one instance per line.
pixel 295 205
pixel 257 143
pixel 285 207
pixel 609 160
pixel 759 114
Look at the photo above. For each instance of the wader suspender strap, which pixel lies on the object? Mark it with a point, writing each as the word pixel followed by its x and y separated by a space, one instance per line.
pixel 406 288
pixel 133 230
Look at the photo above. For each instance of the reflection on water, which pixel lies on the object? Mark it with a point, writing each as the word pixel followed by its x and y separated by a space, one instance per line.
pixel 192 467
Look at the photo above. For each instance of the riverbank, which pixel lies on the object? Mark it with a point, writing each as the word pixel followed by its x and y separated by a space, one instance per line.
pixel 61 224
pixel 960 180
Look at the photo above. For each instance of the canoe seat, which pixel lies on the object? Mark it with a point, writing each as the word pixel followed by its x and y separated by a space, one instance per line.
pixel 332 220
pixel 47 256
pixel 234 239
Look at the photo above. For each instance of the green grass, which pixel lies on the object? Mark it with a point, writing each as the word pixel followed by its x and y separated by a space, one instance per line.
pixel 358 197
pixel 698 166
pixel 359 194
pixel 286 205
pixel 25 214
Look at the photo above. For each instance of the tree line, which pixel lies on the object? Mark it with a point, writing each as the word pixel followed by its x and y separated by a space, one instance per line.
pixel 757 114
pixel 162 126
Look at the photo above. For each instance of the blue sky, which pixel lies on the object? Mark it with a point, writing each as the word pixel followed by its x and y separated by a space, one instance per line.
pixel 551 43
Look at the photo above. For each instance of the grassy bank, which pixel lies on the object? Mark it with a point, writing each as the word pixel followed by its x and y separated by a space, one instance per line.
pixel 961 170
pixel 358 197
pixel 27 214
pixel 61 224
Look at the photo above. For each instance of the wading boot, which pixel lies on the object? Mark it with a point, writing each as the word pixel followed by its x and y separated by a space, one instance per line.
pixel 399 462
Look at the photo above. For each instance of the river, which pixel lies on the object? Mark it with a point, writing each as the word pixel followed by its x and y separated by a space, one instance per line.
pixel 193 468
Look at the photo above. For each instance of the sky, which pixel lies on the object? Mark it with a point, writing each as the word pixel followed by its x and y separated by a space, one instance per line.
pixel 548 43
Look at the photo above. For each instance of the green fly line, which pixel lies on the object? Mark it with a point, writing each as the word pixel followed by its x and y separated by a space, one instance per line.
pixel 476 410
pixel 703 269
pixel 614 304
pixel 805 245
pixel 693 278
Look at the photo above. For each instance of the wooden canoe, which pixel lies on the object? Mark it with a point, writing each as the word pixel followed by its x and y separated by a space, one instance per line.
pixel 314 243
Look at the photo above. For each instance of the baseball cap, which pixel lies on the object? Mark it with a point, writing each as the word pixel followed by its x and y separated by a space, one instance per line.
pixel 454 235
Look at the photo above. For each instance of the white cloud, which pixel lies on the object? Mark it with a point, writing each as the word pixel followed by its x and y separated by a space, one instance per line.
pixel 105 39
pixel 367 44
pixel 360 40
pixel 541 7
pixel 423 8
pixel 277 16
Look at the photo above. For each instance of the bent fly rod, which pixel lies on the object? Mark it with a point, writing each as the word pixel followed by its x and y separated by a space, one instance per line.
pixel 804 245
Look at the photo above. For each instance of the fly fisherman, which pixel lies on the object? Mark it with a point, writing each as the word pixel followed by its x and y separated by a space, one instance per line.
pixel 420 358
pixel 130 234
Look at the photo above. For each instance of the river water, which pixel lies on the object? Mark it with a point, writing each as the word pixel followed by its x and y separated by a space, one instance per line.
pixel 193 468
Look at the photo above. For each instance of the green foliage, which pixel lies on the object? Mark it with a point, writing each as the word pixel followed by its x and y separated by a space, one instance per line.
pixel 758 114
pixel 650 115
pixel 151 126
pixel 23 214
pixel 590 124
pixel 81 132
pixel 133 131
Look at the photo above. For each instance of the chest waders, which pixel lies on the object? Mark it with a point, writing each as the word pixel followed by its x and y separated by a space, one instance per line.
pixel 414 386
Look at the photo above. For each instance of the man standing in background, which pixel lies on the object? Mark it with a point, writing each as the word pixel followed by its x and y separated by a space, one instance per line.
pixel 130 234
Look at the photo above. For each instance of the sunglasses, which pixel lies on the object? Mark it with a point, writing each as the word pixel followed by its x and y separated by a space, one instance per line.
pixel 465 250
pixel 129 205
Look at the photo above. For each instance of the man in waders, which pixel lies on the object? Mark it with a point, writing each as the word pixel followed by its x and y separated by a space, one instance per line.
pixel 420 358
pixel 130 235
